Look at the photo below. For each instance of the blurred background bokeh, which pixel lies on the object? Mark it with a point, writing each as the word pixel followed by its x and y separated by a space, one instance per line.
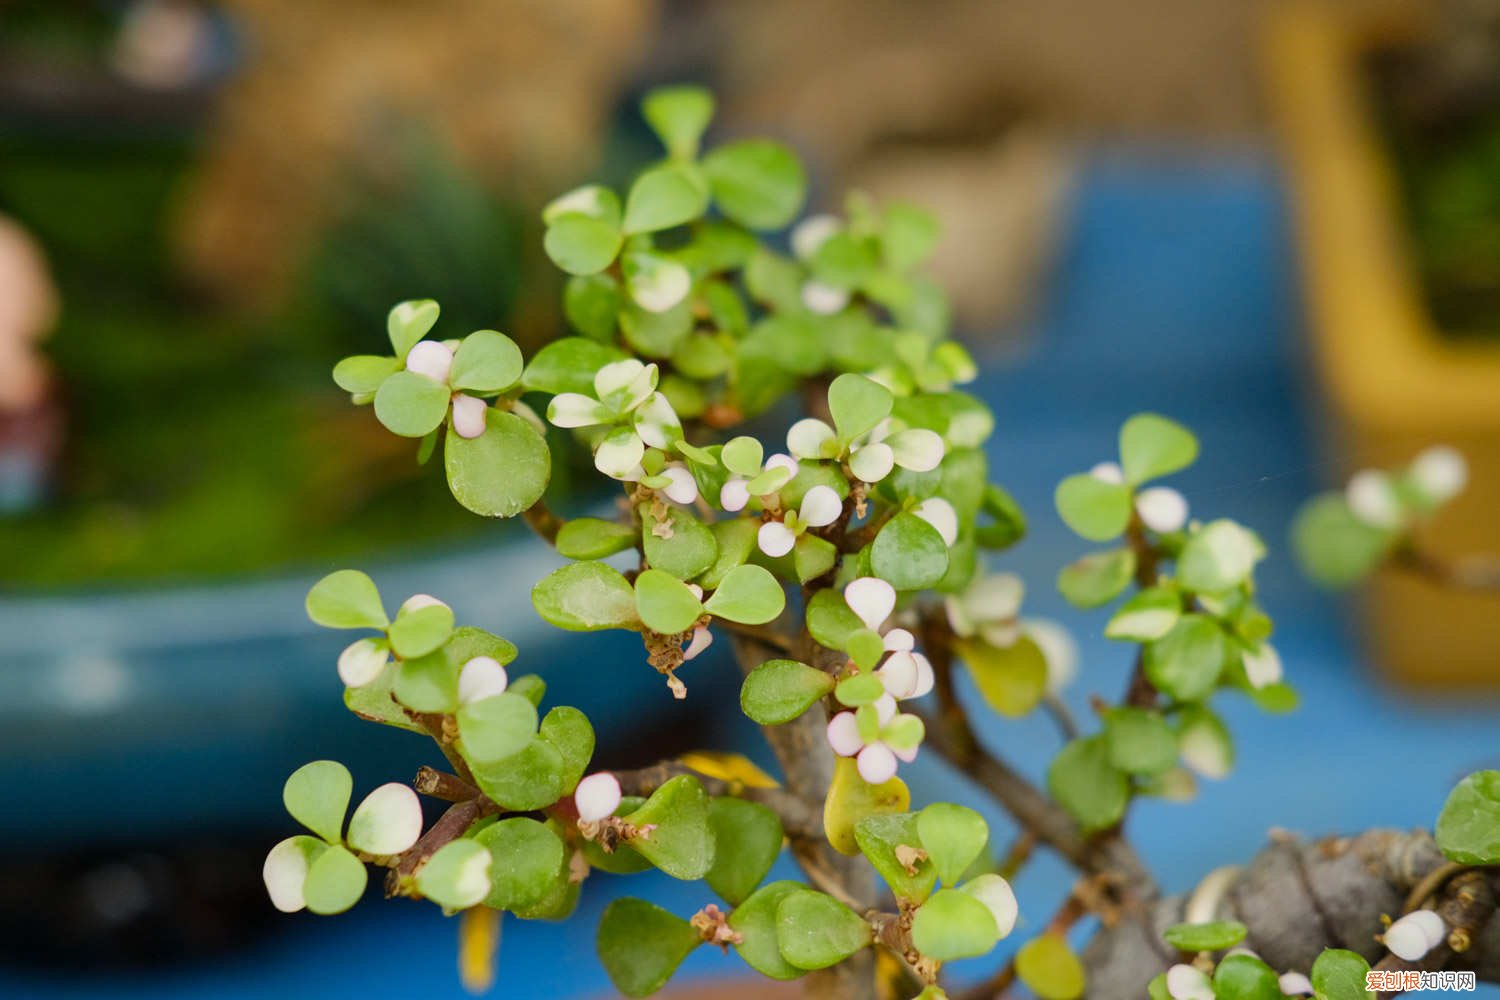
pixel 1277 222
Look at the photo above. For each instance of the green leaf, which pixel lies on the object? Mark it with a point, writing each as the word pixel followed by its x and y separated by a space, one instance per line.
pixel 1157 988
pixel 1186 662
pixel 1049 968
pixel 1245 977
pixel 749 595
pixel 953 925
pixel 735 540
pixel 1008 523
pixel 641 945
pixel 335 881
pixel 592 200
pixel 1093 508
pixel 419 631
pixel 497 727
pixel 779 691
pixel 656 334
pixel 593 538
pixel 1148 615
pixel 409 322
pixel 430 683
pixel 1012 679
pixel 1334 547
pixel 755 921
pixel 1204 741
pixel 457 876
pixel 1087 785
pixel 526 781
pixel 568 365
pixel 374 702
pixel 1338 974
pixel 681 841
pixel 582 245
pixel 363 373
pixel 860 689
pixel 317 796
pixel 679 115
pixel 880 838
pixel 813 556
pixel 830 620
pixel 908 235
pixel 570 733
pixel 486 361
pixel 1097 578
pixel 1278 698
pixel 1215 935
pixel 656 282
pixel 346 598
pixel 529 686
pixel 865 647
pixel 845 260
pixel 590 303
pixel 1468 828
pixel 1139 740
pixel 909 554
pixel 664 603
pixel 756 182
pixel 686 549
pixel 503 471
pixel 1218 556
pixel 527 859
pixel 857 405
pixel 585 597
pixel 664 197
pixel 747 838
pixel 816 931
pixel 953 836
pixel 410 404
pixel 1152 446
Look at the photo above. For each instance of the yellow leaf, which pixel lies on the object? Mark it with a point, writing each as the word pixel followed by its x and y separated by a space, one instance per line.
pixel 731 767
pixel 478 938
pixel 1012 680
pixel 1050 969
pixel 852 798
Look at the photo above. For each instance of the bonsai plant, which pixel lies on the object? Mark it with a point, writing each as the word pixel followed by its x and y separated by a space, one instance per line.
pixel 1393 195
pixel 846 568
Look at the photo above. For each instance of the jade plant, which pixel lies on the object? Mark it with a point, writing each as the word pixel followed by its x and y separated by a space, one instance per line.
pixel 843 552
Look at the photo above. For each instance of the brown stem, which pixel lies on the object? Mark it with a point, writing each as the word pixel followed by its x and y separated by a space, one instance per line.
pixel 449 827
pixel 442 785
pixel 763 634
pixel 801 748
pixel 1475 573
pixel 540 519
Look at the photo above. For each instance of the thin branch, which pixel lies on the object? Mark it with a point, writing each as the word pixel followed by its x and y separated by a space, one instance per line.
pixel 1062 716
pixel 450 826
pixel 540 519
pixel 952 735
pixel 442 785
pixel 760 633
pixel 1480 574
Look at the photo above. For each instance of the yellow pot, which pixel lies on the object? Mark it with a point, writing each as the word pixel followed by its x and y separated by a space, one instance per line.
pixel 1394 382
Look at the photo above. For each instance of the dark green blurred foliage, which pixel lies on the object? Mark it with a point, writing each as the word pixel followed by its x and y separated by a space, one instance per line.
pixel 426 229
